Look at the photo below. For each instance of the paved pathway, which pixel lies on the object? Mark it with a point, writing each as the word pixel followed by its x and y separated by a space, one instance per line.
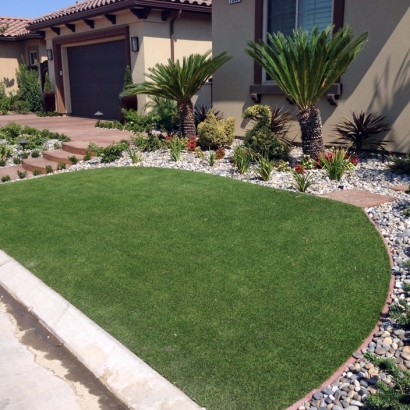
pixel 36 373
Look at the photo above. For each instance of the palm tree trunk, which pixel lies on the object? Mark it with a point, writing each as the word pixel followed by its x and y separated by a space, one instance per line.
pixel 186 116
pixel 311 126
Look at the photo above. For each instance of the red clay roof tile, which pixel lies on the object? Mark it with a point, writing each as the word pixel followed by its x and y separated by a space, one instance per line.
pixel 14 27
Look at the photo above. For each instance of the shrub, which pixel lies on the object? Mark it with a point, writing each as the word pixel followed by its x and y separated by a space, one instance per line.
pixel 35 153
pixel 2 162
pixel 22 174
pixel 57 145
pixel 264 168
pixel 201 111
pixel 219 153
pixel 136 122
pixel 29 87
pixel 128 77
pixel 49 169
pixel 302 180
pixel 307 162
pixel 176 146
pixel 48 88
pixel 2 90
pixel 5 151
pixel 152 143
pixel 24 155
pixel 242 158
pixel 198 152
pixel 134 155
pixel 61 165
pixel 87 156
pixel 47 113
pixel 4 105
pixel 16 160
pixel 110 153
pixel 336 163
pixel 362 131
pixel 36 172
pixel 211 158
pixel 191 144
pixel 282 166
pixel 73 159
pixel 163 115
pixel 11 132
pixel 5 178
pixel 388 397
pixel 401 164
pixel 215 133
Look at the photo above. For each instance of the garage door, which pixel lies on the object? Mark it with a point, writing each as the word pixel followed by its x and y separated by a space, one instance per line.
pixel 96 73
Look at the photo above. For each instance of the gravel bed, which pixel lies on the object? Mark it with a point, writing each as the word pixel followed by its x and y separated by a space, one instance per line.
pixel 358 380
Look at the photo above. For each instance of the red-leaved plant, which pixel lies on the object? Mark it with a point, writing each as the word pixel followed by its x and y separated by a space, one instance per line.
pixel 191 144
pixel 299 169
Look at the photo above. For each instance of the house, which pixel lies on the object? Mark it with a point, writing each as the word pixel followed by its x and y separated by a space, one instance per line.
pixel 89 44
pixel 378 81
pixel 16 41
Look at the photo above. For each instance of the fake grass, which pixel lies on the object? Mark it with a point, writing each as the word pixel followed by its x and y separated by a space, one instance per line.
pixel 243 296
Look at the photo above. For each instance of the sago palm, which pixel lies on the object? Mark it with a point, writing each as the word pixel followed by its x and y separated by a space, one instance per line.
pixel 180 82
pixel 304 66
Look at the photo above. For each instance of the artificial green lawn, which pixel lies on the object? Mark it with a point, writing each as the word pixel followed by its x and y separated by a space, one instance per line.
pixel 243 296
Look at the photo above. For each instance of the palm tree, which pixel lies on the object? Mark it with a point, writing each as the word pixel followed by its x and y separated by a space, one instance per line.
pixel 304 66
pixel 180 82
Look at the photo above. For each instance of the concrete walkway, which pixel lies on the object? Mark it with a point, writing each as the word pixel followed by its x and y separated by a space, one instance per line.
pixel 38 373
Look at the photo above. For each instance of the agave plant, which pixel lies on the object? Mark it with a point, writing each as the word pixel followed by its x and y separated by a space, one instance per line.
pixel 201 111
pixel 180 82
pixel 305 65
pixel 362 130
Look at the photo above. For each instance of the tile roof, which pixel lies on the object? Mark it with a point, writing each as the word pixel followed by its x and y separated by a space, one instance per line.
pixel 14 27
pixel 95 4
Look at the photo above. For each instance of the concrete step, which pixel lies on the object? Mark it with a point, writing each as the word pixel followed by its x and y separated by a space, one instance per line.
pixel 12 172
pixel 60 155
pixel 30 164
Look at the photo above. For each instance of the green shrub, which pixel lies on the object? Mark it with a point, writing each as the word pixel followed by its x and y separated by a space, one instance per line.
pixel 29 88
pixel 211 158
pixel 136 122
pixel 3 162
pixel 36 172
pixel 242 158
pixel 35 153
pixel 264 168
pixel 49 169
pixel 47 113
pixel 16 160
pixel 11 132
pixel 400 164
pixel 5 151
pixel 261 138
pixel 336 163
pixel 73 159
pixel 2 90
pixel 214 134
pixel 163 114
pixel 61 165
pixel 5 178
pixel 24 155
pixel 307 162
pixel 134 155
pixel 176 146
pixel 128 77
pixel 21 174
pixel 48 88
pixel 4 105
pixel 110 153
pixel 282 166
pixel 388 397
pixel 87 156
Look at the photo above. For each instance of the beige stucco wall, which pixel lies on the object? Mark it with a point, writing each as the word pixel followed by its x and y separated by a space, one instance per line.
pixel 10 56
pixel 377 81
pixel 192 34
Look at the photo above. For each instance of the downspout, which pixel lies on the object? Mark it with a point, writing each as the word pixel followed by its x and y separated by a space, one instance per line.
pixel 171 27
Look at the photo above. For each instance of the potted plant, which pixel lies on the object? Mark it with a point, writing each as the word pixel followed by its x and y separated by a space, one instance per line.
pixel 129 102
pixel 47 96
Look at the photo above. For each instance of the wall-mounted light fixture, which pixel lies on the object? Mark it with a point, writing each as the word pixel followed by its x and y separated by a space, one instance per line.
pixel 135 44
pixel 49 53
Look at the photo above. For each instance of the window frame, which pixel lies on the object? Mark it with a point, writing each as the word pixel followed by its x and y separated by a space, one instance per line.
pixel 30 51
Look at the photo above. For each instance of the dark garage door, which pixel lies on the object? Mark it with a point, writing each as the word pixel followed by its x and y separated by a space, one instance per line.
pixel 96 78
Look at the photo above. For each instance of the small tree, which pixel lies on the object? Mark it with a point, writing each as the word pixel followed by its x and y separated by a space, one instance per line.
pixel 48 88
pixel 29 86
pixel 128 77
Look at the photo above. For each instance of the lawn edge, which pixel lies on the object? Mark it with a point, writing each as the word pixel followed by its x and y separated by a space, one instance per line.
pixel 128 377
pixel 365 343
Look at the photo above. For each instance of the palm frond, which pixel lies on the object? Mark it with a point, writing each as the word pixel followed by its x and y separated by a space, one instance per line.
pixel 305 65
pixel 179 81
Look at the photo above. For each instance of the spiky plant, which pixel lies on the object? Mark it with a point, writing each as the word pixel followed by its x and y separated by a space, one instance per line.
pixel 201 111
pixel 304 66
pixel 180 82
pixel 362 130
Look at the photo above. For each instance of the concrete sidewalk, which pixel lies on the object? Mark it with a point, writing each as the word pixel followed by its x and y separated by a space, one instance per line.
pixel 38 373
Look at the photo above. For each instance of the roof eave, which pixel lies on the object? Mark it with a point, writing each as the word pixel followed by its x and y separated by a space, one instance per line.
pixel 31 36
pixel 157 4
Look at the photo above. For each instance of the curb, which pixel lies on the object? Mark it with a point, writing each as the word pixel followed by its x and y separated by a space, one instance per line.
pixel 130 379
pixel 365 343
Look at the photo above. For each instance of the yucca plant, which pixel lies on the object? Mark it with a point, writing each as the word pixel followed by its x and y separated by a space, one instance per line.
pixel 362 130
pixel 304 66
pixel 180 82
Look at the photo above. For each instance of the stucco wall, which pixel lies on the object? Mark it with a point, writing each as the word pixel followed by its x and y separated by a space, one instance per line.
pixel 10 56
pixel 377 81
pixel 192 35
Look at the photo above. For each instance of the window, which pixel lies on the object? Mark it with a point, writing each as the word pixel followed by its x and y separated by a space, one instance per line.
pixel 32 56
pixel 286 15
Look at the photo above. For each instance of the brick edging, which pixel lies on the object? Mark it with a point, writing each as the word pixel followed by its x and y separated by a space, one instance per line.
pixel 365 343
